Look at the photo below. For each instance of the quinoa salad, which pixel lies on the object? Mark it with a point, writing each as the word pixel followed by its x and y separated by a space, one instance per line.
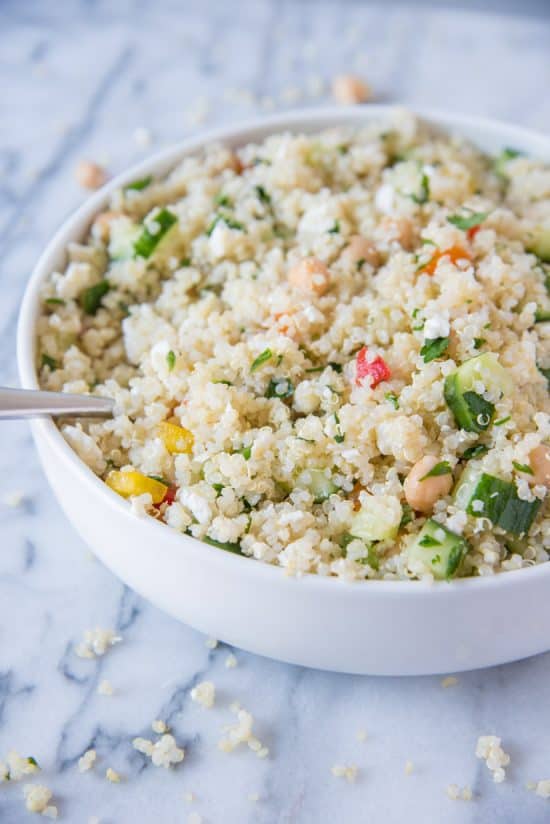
pixel 327 352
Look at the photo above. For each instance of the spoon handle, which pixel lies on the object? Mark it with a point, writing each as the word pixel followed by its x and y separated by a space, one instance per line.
pixel 31 403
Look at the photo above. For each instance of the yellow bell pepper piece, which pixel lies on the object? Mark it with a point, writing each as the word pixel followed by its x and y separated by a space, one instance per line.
pixel 134 483
pixel 176 439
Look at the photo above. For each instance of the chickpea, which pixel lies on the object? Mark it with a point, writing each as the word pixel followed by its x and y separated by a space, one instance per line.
pixel 539 460
pixel 349 89
pixel 101 227
pixel 360 249
pixel 310 275
pixel 401 230
pixel 89 175
pixel 420 492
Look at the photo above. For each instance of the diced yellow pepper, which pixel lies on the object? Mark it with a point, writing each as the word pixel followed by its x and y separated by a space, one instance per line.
pixel 176 439
pixel 134 483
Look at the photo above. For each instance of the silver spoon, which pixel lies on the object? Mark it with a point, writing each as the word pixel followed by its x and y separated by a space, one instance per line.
pixel 31 403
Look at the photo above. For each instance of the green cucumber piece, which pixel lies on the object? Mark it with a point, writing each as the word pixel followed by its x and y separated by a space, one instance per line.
pixel 378 519
pixel 542 315
pixel 498 500
pixel 439 549
pixel 318 484
pixel 472 411
pixel 147 242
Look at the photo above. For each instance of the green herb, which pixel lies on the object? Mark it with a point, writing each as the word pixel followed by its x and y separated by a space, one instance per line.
pixel 223 200
pixel 218 488
pixel 501 161
pixel 50 362
pixel 424 195
pixel 229 547
pixel 407 515
pixel 393 399
pixel 523 468
pixel 305 440
pixel 160 479
pixel 279 388
pixel 466 222
pixel 259 160
pixel 55 301
pixel 266 355
pixel 425 241
pixel 502 421
pixel 316 369
pixel 546 373
pixel 246 452
pixel 33 761
pixel 336 366
pixel 433 348
pixel 263 195
pixel 427 540
pixel 146 243
pixel 360 263
pixel 475 451
pixel 90 299
pixel 339 438
pixel 335 228
pixel 138 185
pixel 542 316
pixel 227 383
pixel 478 342
pixel 436 558
pixel 343 149
pixel 229 222
pixel 441 468
pixel 185 262
pixel 170 360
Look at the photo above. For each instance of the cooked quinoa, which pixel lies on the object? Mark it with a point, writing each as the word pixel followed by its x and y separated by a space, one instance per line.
pixel 327 352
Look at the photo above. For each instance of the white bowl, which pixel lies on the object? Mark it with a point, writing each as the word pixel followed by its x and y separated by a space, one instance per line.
pixel 375 627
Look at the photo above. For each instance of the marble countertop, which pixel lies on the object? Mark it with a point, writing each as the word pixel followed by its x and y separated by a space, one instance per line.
pixel 87 80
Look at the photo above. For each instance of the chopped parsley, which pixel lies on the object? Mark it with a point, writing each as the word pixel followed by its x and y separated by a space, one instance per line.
pixel 263 195
pixel 466 222
pixel 393 399
pixel 475 451
pixel 262 358
pixel 229 222
pixel 49 362
pixel 441 468
pixel 335 228
pixel 246 452
pixel 427 540
pixel 139 185
pixel 424 194
pixel 279 388
pixel 433 348
pixel 90 299
pixel 185 262
pixel 170 360
pixel 55 301
pixel 478 342
pixel 339 438
pixel 502 421
pixel 407 515
pixel 229 547
pixel 523 468
pixel 226 383
pixel 223 200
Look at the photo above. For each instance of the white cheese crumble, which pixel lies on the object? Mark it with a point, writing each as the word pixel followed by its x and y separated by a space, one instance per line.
pixel 96 642
pixel 204 694
pixel 488 748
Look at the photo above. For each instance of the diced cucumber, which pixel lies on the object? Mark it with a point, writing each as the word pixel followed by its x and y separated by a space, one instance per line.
pixel 471 410
pixel 148 241
pixel 542 315
pixel 318 484
pixel 440 550
pixel 497 500
pixel 378 519
pixel 123 234
pixel 538 242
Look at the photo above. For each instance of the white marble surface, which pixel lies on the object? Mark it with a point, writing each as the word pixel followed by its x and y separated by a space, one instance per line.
pixel 77 79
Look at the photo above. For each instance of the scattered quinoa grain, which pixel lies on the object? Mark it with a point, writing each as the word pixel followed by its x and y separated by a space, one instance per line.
pixel 361 735
pixel 231 661
pixel 211 643
pixel 204 694
pixel 112 776
pixel 37 798
pixel 348 772
pixel 542 788
pixel 449 681
pixel 159 726
pixel 105 687
pixel 409 767
pixel 488 748
pixel 87 760
pixel 96 642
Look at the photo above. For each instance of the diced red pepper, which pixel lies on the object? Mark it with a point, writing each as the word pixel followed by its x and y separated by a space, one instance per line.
pixel 472 231
pixel 169 496
pixel 377 369
pixel 454 253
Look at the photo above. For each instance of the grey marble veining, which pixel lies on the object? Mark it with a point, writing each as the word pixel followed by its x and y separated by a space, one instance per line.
pixel 77 79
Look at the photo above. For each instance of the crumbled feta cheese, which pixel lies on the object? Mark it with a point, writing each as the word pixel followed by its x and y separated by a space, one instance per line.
pixel 96 642
pixel 86 761
pixel 204 694
pixel 488 748
pixel 342 771
pixel 436 327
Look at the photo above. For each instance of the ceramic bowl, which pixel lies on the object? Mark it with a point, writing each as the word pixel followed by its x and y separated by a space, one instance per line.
pixel 375 627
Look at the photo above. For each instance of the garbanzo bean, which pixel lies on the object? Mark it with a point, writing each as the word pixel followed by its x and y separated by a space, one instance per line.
pixel 420 492
pixel 539 459
pixel 360 249
pixel 90 175
pixel 310 275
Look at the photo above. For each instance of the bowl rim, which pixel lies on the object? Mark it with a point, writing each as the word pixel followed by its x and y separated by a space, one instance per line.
pixel 160 162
